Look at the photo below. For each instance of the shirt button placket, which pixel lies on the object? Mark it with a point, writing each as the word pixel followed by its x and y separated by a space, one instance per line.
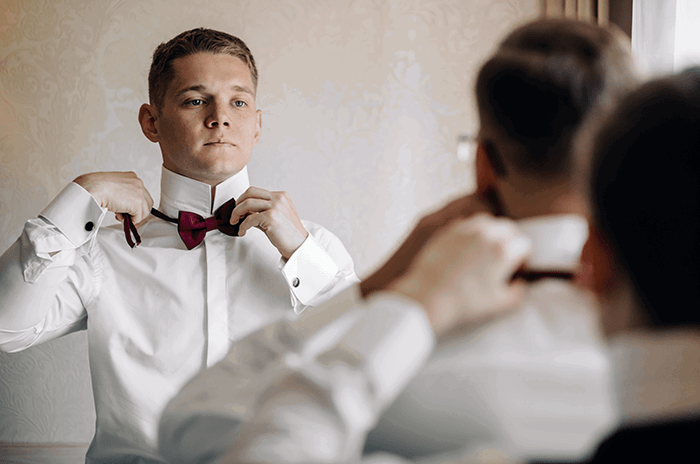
pixel 217 313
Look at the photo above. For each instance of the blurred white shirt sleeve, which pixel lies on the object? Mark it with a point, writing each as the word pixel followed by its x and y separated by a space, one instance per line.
pixel 303 391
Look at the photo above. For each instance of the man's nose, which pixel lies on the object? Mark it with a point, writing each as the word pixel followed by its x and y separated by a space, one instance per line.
pixel 219 116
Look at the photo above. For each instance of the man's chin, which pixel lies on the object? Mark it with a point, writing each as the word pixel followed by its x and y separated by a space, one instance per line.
pixel 216 176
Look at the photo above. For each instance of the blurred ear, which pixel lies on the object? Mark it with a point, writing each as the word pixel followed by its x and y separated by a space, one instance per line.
pixel 485 172
pixel 258 127
pixel 597 263
pixel 147 120
pixel 619 305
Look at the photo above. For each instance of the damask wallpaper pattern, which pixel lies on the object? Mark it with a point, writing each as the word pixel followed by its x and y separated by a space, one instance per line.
pixel 362 104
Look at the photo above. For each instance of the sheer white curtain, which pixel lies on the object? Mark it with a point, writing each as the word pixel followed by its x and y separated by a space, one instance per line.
pixel 666 34
pixel 585 10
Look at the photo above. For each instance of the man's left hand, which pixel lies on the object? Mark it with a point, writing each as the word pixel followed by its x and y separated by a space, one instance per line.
pixel 464 272
pixel 428 226
pixel 274 214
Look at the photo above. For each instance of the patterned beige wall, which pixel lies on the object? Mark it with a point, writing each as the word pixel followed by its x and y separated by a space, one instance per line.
pixel 362 103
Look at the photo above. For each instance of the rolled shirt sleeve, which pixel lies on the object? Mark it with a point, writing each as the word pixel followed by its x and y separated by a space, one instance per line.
pixel 44 278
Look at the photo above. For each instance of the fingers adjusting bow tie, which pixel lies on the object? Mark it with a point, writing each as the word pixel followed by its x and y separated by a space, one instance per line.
pixel 191 226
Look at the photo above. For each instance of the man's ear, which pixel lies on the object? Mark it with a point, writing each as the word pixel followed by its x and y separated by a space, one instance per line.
pixel 258 124
pixel 602 273
pixel 485 172
pixel 147 120
pixel 598 271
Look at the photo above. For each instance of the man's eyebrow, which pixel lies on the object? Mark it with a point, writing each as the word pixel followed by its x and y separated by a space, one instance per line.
pixel 243 88
pixel 201 88
pixel 192 88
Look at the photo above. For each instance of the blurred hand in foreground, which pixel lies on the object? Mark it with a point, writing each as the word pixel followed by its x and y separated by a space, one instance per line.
pixel 463 273
pixel 426 228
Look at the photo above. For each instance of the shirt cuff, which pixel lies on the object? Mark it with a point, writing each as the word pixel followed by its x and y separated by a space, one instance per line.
pixel 311 322
pixel 75 213
pixel 308 270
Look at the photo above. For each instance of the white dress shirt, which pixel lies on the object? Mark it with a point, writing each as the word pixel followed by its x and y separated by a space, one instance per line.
pixel 157 314
pixel 530 386
pixel 304 391
pixel 535 383
pixel 657 375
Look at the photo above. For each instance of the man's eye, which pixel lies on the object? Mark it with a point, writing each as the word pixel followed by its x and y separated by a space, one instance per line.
pixel 239 103
pixel 195 102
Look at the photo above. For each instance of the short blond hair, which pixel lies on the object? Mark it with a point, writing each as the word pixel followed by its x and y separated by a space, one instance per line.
pixel 198 40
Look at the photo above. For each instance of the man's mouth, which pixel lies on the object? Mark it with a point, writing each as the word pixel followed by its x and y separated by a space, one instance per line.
pixel 219 143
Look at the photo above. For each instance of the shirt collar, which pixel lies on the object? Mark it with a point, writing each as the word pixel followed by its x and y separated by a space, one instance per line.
pixel 657 374
pixel 180 193
pixel 557 241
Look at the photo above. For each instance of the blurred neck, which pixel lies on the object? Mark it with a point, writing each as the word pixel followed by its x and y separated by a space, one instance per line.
pixel 529 197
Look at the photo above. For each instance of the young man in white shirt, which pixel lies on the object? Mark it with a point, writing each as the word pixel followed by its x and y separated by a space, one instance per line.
pixel 205 273
pixel 535 383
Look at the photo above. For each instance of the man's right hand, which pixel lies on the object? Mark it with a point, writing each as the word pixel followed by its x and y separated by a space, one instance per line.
pixel 119 192
pixel 463 274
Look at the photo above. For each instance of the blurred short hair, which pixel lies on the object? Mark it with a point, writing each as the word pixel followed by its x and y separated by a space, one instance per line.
pixel 646 194
pixel 198 40
pixel 538 87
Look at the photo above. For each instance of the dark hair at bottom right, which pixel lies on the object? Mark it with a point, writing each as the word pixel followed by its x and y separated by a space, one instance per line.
pixel 646 194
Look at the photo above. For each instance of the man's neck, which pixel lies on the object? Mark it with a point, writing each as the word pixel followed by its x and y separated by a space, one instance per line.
pixel 524 199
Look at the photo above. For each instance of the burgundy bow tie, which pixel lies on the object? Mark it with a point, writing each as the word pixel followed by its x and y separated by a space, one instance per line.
pixel 191 226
